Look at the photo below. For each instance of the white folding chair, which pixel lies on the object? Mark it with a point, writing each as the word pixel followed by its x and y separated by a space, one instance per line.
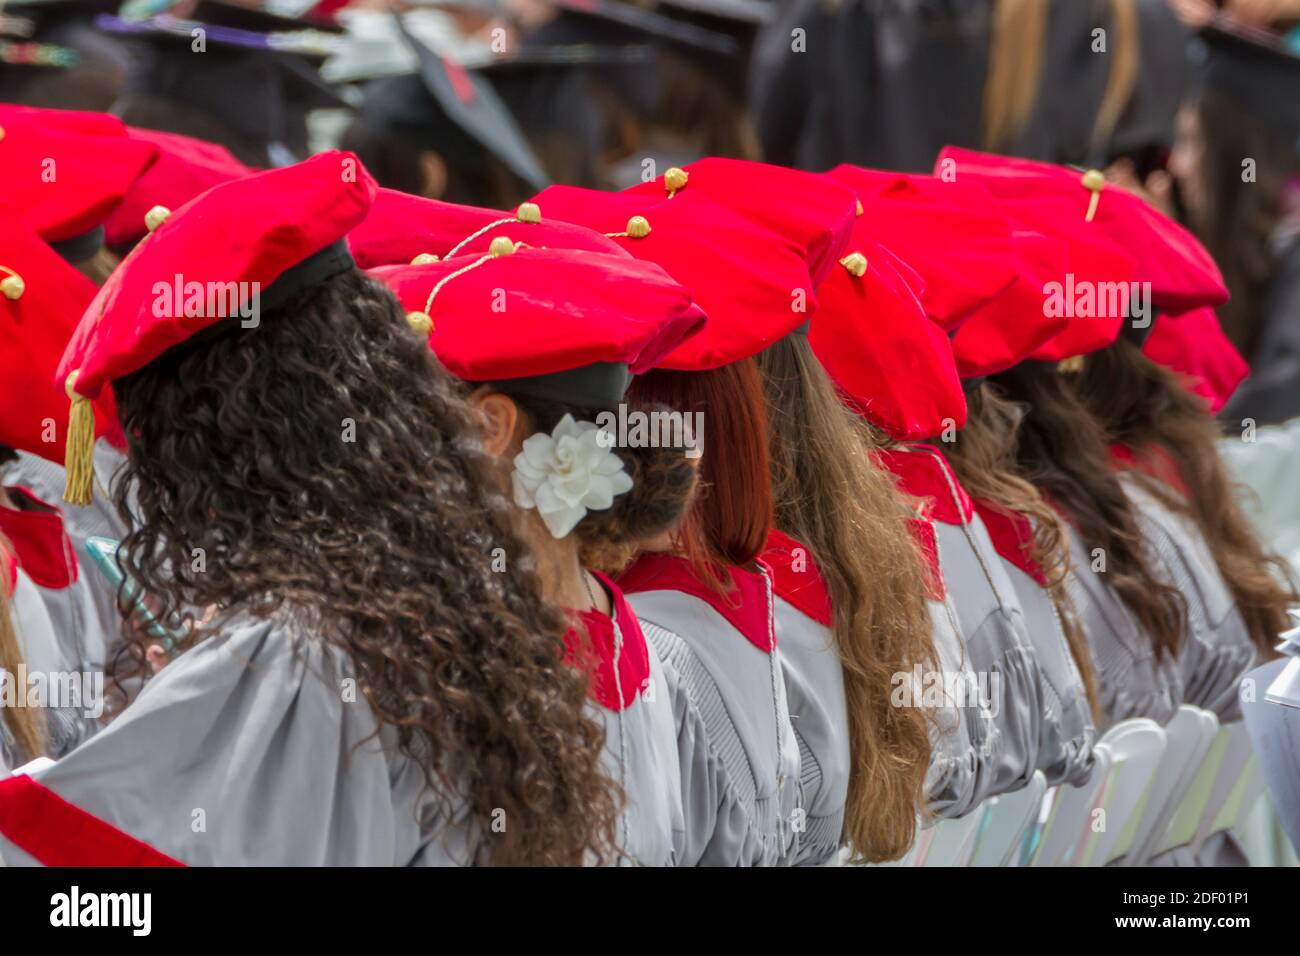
pixel 1188 737
pixel 1008 819
pixel 1071 812
pixel 1136 747
pixel 950 842
pixel 1192 802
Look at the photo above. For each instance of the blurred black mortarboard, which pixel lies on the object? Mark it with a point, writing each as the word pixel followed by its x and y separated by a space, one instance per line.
pixel 453 111
pixel 1258 72
pixel 71 66
pixel 877 82
pixel 247 89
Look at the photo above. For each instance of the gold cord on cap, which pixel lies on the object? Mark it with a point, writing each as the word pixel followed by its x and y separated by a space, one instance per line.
pixel 858 209
pixel 1071 365
pixel 675 180
pixel 79 457
pixel 501 246
pixel 424 258
pixel 638 227
pixel 1094 181
pixel 856 263
pixel 155 217
pixel 528 212
pixel 12 285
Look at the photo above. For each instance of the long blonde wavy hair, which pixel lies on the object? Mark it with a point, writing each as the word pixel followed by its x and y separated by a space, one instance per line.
pixel 24 723
pixel 831 497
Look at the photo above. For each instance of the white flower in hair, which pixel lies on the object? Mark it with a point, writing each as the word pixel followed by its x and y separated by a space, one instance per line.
pixel 567 473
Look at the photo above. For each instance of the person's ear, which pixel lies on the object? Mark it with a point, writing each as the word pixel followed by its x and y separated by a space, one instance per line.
pixel 501 420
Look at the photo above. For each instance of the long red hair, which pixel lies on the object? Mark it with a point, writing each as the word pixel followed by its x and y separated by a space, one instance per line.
pixel 732 513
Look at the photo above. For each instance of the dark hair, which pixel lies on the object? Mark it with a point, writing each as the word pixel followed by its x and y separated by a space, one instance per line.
pixel 1240 218
pixel 1144 405
pixel 384 545
pixel 1063 451
pixel 984 457
pixel 732 514
pixel 663 480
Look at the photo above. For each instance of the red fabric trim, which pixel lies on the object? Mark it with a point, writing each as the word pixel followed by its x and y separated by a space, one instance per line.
pixel 9 565
pixel 936 589
pixel 43 548
pixel 744 606
pixel 924 473
pixel 1153 461
pixel 1012 536
pixel 58 833
pixel 595 654
pixel 803 588
pixel 460 82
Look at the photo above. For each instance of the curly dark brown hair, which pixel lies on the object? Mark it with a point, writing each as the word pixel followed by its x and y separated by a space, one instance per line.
pixel 384 544
pixel 1145 406
pixel 1063 451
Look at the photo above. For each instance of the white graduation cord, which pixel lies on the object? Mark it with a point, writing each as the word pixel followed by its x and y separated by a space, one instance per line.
pixel 776 711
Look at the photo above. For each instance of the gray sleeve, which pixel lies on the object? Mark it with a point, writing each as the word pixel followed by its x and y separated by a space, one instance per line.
pixel 724 823
pixel 254 748
pixel 1217 649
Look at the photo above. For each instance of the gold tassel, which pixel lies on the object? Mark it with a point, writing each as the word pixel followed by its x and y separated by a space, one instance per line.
pixel 1070 366
pixel 80 460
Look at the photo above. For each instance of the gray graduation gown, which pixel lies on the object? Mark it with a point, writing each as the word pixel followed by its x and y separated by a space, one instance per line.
pixel 1217 649
pixel 738 754
pixel 964 738
pixel 999 650
pixel 248 749
pixel 814 685
pixel 1068 731
pixel 1131 681
pixel 640 736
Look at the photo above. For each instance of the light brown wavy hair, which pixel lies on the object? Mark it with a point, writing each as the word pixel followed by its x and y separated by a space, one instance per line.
pixel 384 545
pixel 984 457
pixel 1146 406
pixel 1063 451
pixel 25 724
pixel 830 495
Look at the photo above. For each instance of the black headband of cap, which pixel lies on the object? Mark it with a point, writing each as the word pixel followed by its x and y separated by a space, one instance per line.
pixel 1139 335
pixel 333 260
pixel 600 385
pixel 80 247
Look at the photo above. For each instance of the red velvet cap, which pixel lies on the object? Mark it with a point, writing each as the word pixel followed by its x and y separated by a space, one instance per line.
pixel 519 312
pixel 753 283
pixel 814 212
pixel 185 168
pixel 1182 274
pixel 891 363
pixel 61 179
pixel 246 231
pixel 41 299
pixel 401 227
pixel 955 238
pixel 1193 344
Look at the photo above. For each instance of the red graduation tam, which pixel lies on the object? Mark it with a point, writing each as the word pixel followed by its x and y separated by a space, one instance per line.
pixel 567 325
pixel 1015 322
pixel 185 167
pixel 891 363
pixel 753 283
pixel 1182 273
pixel 217 257
pixel 401 227
pixel 814 212
pixel 955 238
pixel 41 299
pixel 62 179
pixel 1193 345
pixel 80 122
